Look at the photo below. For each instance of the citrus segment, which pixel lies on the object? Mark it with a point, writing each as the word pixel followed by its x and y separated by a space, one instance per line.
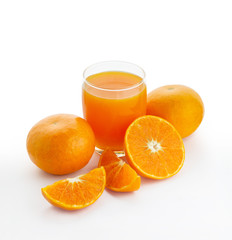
pixel 76 193
pixel 154 148
pixel 120 177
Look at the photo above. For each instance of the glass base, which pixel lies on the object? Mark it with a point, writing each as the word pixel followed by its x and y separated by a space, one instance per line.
pixel 118 153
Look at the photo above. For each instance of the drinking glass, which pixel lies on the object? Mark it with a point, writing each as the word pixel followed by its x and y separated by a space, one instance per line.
pixel 113 95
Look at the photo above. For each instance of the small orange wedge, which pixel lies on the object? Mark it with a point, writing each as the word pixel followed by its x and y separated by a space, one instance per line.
pixel 154 148
pixel 120 177
pixel 76 193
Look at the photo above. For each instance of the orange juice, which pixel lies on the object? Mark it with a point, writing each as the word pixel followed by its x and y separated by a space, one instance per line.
pixel 111 101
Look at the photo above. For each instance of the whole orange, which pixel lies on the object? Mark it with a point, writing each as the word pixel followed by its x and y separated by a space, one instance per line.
pixel 61 144
pixel 178 104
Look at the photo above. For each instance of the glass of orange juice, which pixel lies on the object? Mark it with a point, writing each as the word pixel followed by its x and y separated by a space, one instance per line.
pixel 113 95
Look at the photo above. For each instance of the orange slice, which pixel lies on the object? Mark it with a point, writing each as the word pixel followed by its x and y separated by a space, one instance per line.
pixel 120 177
pixel 154 148
pixel 76 193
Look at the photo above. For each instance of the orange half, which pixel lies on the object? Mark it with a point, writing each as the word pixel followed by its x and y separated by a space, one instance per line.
pixel 154 148
pixel 76 193
pixel 120 177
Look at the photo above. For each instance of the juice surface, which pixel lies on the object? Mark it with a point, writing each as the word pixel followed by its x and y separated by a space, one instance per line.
pixel 111 101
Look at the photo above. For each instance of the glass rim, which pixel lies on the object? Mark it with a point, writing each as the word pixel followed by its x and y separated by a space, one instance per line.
pixel 114 90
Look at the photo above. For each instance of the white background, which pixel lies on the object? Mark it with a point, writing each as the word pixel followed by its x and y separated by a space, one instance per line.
pixel 44 48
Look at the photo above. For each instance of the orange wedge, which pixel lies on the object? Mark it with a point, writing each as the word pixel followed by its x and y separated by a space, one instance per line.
pixel 76 193
pixel 120 177
pixel 154 148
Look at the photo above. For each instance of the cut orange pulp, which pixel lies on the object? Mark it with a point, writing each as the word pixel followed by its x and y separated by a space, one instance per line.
pixel 120 177
pixel 154 148
pixel 76 193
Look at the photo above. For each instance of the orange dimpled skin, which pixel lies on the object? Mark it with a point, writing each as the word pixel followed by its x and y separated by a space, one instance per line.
pixel 76 193
pixel 120 177
pixel 178 104
pixel 154 148
pixel 61 144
